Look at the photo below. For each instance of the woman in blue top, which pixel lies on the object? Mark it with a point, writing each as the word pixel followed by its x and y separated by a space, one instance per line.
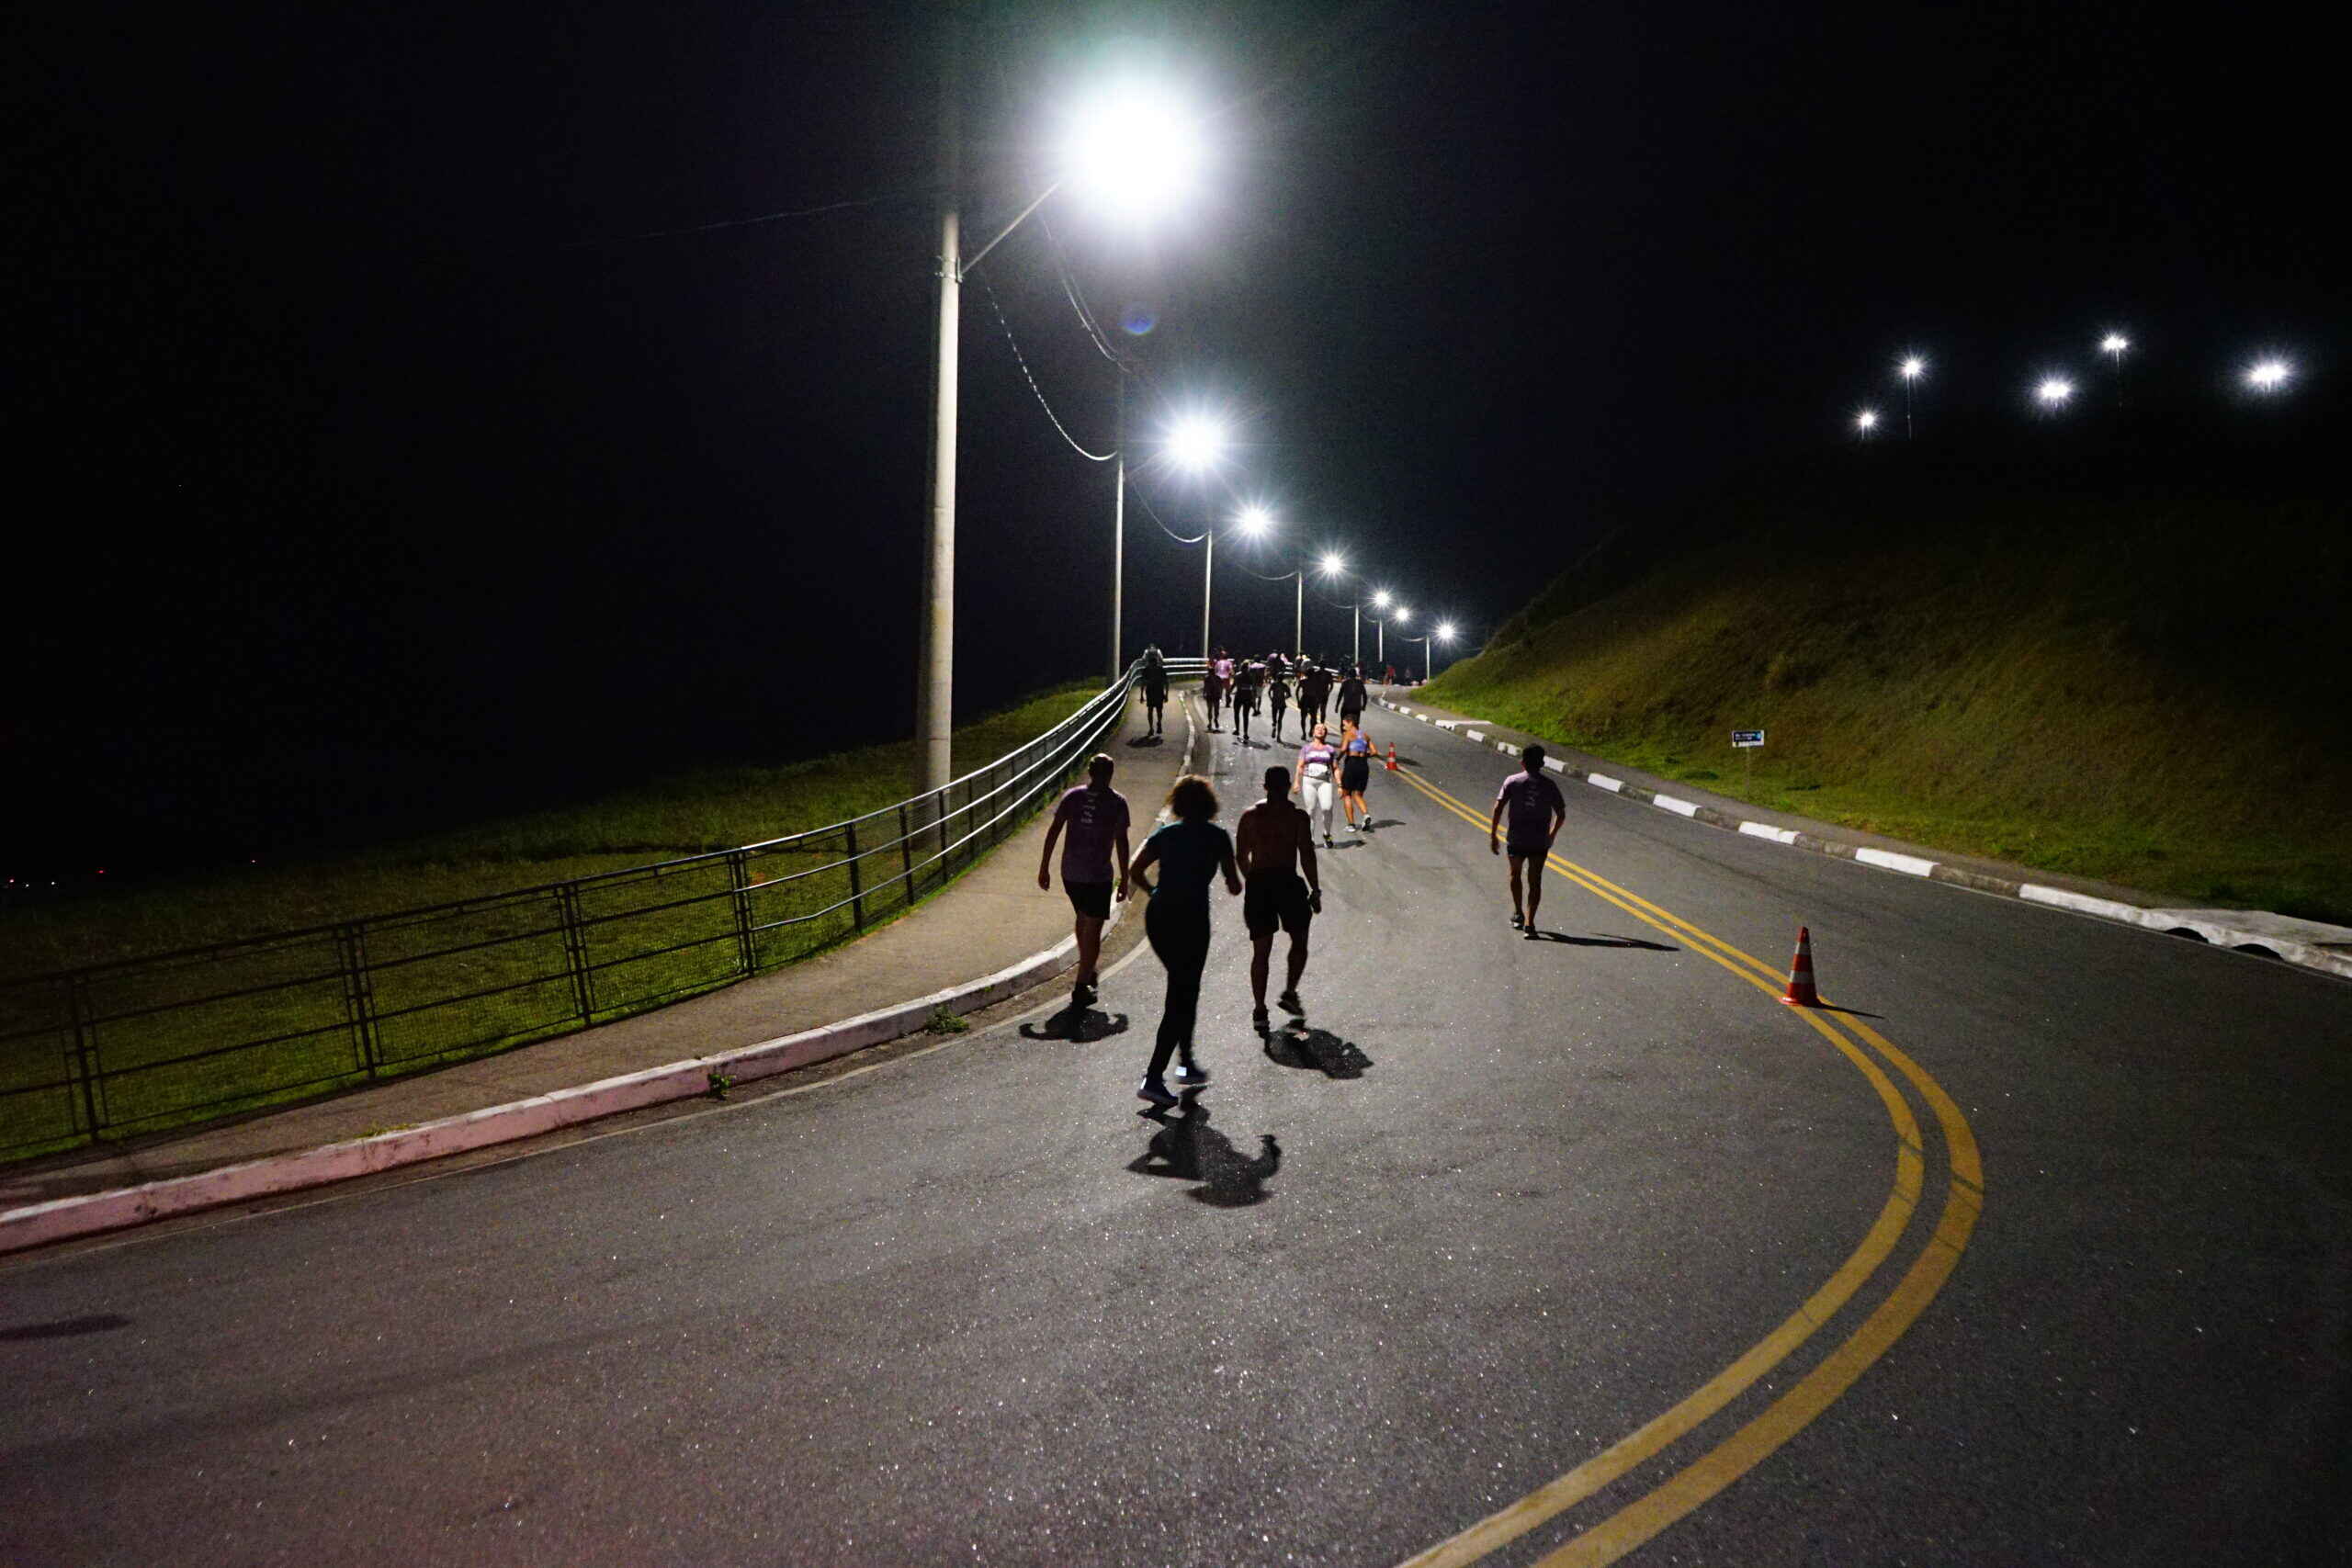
pixel 1355 775
pixel 1190 852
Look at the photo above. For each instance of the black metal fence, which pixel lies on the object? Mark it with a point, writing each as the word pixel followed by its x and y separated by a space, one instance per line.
pixel 141 1044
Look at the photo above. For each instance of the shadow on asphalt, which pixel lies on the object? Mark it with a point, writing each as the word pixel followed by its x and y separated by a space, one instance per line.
pixel 1605 941
pixel 1080 1026
pixel 66 1328
pixel 1187 1148
pixel 1297 1045
pixel 1148 740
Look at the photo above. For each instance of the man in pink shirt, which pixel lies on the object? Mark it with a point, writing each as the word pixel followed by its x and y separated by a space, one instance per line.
pixel 1095 816
pixel 1537 813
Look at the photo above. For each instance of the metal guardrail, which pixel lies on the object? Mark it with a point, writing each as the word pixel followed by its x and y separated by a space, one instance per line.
pixel 140 1044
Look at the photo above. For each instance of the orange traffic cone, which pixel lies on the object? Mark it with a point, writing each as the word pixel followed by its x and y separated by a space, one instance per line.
pixel 1801 993
pixel 1392 757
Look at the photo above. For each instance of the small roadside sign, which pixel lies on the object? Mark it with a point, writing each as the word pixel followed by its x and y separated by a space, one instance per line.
pixel 1747 738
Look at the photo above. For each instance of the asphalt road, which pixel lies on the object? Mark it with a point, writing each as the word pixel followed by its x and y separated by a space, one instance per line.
pixel 1590 1215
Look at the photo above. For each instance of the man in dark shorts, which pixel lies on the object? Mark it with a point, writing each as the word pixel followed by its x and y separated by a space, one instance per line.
pixel 1537 812
pixel 1314 690
pixel 1353 699
pixel 1277 696
pixel 1096 817
pixel 1271 844
pixel 1155 691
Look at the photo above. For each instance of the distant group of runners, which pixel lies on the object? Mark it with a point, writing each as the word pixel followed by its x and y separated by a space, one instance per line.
pixel 1269 863
pixel 1244 687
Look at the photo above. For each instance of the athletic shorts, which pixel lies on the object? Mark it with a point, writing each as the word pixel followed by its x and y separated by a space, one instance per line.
pixel 1091 899
pixel 1355 772
pixel 1528 852
pixel 1276 898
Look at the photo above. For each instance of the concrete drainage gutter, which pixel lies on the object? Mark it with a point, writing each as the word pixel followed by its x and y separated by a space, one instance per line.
pixel 2306 944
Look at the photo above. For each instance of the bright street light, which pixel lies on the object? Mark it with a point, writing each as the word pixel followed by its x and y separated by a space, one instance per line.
pixel 1403 615
pixel 1445 631
pixel 1196 441
pixel 1133 149
pixel 1254 521
pixel 1380 600
pixel 1912 368
pixel 2054 391
pixel 2113 344
pixel 1866 421
pixel 2269 374
pixel 1332 563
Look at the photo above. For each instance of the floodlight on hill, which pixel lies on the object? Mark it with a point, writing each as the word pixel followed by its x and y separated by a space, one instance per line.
pixel 2269 374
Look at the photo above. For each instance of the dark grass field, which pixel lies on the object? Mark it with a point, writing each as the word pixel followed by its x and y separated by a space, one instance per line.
pixel 508 943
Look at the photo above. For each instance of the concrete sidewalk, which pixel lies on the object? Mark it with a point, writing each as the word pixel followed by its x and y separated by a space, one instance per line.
pixel 2306 944
pixel 990 919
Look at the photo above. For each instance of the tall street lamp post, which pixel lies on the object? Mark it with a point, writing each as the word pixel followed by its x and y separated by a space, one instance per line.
pixel 1129 147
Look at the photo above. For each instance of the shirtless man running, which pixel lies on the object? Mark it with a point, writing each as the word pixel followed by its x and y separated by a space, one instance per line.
pixel 1271 844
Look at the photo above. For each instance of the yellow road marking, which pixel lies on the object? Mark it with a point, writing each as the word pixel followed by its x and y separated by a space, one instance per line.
pixel 1642 1519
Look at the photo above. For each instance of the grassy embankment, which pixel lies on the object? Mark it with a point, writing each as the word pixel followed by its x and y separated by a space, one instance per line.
pixel 515 972
pixel 2143 693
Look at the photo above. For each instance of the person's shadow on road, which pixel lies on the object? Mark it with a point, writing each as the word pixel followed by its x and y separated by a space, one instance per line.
pixel 1320 1050
pixel 1187 1148
pixel 1080 1026
pixel 1604 940
pixel 1148 740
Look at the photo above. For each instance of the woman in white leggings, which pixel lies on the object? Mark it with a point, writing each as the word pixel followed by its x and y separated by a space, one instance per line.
pixel 1315 780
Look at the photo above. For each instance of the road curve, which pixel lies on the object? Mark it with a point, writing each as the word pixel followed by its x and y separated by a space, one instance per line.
pixel 1524 1201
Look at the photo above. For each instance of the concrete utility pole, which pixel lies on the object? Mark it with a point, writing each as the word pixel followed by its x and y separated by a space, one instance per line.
pixel 935 657
pixel 1208 582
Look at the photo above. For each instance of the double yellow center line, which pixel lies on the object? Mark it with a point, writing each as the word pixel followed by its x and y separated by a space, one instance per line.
pixel 1642 1518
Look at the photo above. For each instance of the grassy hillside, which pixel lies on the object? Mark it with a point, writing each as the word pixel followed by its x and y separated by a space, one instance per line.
pixel 2144 689
pixel 685 813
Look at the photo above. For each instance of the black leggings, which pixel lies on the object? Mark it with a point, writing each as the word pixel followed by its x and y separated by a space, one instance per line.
pixel 1180 939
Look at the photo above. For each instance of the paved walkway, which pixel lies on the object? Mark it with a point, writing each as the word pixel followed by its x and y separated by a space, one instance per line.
pixel 991 918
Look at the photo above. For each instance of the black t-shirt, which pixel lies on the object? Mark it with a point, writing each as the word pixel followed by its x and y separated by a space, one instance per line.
pixel 1191 855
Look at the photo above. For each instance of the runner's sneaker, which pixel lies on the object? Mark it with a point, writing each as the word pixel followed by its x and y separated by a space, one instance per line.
pixel 1155 1091
pixel 1191 1075
pixel 1518 920
pixel 1257 1019
pixel 1288 1001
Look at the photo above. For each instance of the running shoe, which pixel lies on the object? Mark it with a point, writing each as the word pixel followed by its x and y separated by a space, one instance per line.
pixel 1257 1019
pixel 1155 1091
pixel 1288 1001
pixel 1518 920
pixel 1327 840
pixel 1190 1075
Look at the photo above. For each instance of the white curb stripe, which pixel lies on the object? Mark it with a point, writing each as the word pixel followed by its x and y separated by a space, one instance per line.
pixel 2080 901
pixel 1602 781
pixel 1680 808
pixel 1912 865
pixel 1475 734
pixel 1766 831
pixel 1556 765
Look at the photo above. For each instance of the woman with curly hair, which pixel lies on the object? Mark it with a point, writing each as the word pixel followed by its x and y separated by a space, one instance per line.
pixel 1190 852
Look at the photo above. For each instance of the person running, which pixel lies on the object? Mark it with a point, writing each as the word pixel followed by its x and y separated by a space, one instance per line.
pixel 1355 776
pixel 1318 778
pixel 1277 696
pixel 1248 677
pixel 1190 852
pixel 1096 817
pixel 1389 679
pixel 1533 803
pixel 1314 690
pixel 1353 699
pixel 1273 843
pixel 1155 691
pixel 1213 680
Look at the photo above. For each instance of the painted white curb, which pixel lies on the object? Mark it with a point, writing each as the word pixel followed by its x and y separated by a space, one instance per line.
pixel 1910 864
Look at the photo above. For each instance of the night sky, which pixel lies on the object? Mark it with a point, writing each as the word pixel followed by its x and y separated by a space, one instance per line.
pixel 371 470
